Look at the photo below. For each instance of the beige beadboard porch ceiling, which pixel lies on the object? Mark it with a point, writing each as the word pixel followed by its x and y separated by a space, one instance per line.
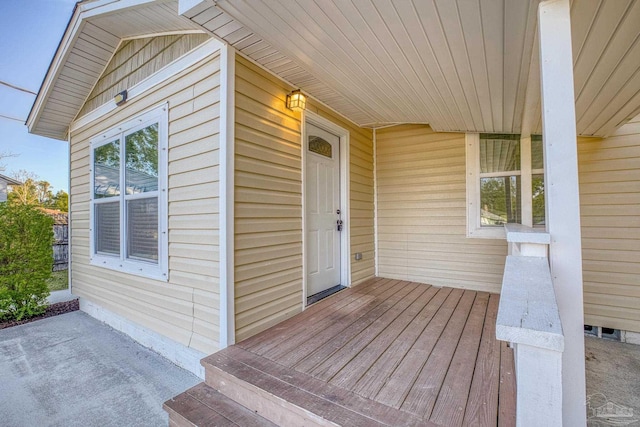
pixel 465 65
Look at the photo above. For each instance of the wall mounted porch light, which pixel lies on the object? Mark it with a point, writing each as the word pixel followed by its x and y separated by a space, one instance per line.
pixel 120 98
pixel 296 101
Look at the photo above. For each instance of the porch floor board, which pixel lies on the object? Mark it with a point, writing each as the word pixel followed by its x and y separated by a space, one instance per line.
pixel 395 352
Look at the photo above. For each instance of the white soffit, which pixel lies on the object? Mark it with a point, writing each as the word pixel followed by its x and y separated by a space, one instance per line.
pixel 606 60
pixel 461 65
pixel 456 67
pixel 465 65
pixel 92 36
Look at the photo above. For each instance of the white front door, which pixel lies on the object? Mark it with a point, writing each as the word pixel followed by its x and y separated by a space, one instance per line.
pixel 322 188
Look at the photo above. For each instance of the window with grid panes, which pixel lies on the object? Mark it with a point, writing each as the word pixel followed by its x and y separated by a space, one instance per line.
pixel 128 197
pixel 497 168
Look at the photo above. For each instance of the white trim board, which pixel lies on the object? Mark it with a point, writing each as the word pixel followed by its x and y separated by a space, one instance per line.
pixel 376 258
pixel 474 230
pixel 183 356
pixel 196 55
pixel 69 219
pixel 227 199
pixel 160 34
pixel 345 237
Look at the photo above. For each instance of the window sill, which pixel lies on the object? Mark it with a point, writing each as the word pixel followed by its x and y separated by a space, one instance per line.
pixel 142 269
pixel 496 233
pixel 518 233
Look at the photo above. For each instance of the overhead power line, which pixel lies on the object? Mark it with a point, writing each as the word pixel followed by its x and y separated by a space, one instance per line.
pixel 11 118
pixel 17 88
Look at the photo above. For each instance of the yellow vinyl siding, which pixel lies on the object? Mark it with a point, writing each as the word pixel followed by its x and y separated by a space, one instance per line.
pixel 610 219
pixel 422 212
pixel 186 308
pixel 268 201
pixel 137 59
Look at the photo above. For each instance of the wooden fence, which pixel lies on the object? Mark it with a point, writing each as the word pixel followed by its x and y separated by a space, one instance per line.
pixel 60 247
pixel 60 239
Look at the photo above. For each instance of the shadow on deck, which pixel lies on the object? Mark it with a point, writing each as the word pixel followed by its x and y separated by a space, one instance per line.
pixel 386 352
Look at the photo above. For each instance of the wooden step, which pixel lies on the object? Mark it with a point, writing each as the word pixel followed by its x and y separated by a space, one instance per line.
pixel 202 406
pixel 291 398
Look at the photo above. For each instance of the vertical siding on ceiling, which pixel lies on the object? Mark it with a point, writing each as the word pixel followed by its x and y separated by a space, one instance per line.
pixel 186 308
pixel 268 201
pixel 610 218
pixel 422 212
pixel 137 59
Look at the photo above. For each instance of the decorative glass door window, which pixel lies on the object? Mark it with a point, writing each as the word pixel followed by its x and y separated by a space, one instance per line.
pixel 320 146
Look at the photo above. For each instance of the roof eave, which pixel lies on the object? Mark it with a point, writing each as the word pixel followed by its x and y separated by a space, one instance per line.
pixel 83 11
pixel 10 181
pixel 69 35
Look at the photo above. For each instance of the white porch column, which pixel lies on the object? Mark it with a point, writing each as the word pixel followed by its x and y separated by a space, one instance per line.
pixel 562 200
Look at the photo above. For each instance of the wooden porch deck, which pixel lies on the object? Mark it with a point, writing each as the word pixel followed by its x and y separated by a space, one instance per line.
pixel 386 352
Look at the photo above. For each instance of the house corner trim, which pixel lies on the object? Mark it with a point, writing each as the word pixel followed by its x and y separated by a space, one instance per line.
pixel 227 199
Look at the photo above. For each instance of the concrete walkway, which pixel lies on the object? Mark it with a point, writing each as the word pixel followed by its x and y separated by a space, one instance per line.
pixel 72 370
pixel 613 383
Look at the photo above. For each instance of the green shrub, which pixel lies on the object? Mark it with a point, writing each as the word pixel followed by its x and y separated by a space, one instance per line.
pixel 26 258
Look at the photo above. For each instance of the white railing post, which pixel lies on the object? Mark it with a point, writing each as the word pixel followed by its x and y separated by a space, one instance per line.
pixel 526 241
pixel 528 318
pixel 562 195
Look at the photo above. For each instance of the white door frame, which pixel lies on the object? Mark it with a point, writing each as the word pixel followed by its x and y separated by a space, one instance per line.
pixel 345 252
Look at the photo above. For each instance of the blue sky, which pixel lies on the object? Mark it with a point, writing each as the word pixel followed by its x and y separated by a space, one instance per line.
pixel 30 33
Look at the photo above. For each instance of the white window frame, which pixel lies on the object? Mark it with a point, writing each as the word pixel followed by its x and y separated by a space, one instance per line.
pixel 159 270
pixel 525 144
pixel 474 228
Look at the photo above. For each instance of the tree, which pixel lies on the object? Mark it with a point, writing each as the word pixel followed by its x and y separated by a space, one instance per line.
pixel 44 193
pixel 27 193
pixel 500 197
pixel 4 155
pixel 61 201
pixel 36 192
pixel 538 199
pixel 141 152
pixel 26 236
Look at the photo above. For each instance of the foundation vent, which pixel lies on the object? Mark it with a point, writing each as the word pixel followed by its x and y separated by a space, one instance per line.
pixel 602 332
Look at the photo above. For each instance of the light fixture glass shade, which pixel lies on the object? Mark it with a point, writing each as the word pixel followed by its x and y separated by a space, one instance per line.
pixel 296 101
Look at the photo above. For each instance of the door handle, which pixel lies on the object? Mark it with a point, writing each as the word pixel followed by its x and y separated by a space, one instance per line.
pixel 339 223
